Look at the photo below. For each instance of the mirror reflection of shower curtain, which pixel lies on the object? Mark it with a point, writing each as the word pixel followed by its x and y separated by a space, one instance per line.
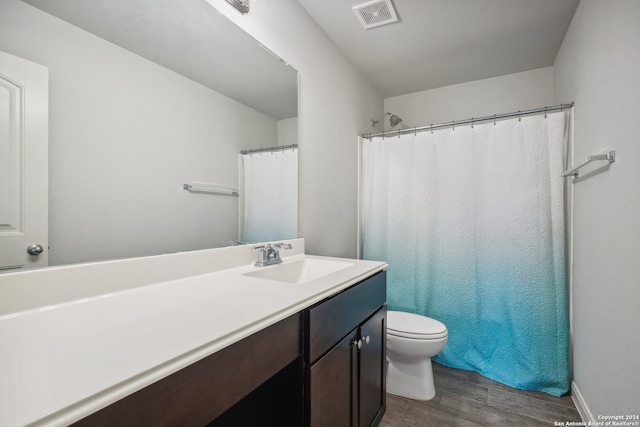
pixel 471 222
pixel 269 196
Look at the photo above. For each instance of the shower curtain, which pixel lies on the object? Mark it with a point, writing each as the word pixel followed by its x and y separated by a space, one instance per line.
pixel 269 196
pixel 471 222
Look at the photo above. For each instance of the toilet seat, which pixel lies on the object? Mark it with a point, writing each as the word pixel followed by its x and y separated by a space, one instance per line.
pixel 415 326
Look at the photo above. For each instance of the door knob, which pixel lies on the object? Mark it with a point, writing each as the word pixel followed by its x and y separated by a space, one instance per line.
pixel 35 249
pixel 367 339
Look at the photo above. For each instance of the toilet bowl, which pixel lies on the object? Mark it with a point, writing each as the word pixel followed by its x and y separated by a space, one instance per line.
pixel 412 340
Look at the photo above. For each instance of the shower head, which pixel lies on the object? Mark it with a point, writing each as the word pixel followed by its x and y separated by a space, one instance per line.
pixel 393 120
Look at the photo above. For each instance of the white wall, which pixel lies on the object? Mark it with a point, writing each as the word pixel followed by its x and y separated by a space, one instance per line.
pixel 598 67
pixel 288 131
pixel 504 94
pixel 116 174
pixel 335 104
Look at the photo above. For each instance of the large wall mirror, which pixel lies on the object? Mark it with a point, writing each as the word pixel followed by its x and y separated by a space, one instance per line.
pixel 144 97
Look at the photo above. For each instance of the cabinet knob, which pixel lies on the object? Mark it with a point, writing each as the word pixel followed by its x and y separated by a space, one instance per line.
pixel 358 343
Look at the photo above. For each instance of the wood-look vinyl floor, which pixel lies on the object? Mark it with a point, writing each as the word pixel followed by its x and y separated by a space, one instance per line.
pixel 465 399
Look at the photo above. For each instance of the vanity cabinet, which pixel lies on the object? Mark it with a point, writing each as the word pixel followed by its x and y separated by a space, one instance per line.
pixel 262 372
pixel 345 357
pixel 323 366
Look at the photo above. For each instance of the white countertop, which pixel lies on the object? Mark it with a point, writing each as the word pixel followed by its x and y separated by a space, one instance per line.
pixel 62 362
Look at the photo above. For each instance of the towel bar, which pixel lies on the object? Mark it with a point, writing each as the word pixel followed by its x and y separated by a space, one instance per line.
pixel 575 172
pixel 211 189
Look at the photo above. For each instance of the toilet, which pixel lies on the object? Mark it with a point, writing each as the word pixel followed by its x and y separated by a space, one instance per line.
pixel 412 340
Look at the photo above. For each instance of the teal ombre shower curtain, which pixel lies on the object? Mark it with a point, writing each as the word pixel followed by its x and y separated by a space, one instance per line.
pixel 471 222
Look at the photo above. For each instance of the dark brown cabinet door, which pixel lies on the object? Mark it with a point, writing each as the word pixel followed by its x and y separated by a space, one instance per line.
pixel 332 382
pixel 345 382
pixel 372 368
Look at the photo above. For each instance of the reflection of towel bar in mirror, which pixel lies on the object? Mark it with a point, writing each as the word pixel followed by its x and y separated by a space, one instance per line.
pixel 211 189
pixel 610 157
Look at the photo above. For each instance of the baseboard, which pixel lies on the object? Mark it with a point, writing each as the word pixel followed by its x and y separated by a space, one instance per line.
pixel 581 404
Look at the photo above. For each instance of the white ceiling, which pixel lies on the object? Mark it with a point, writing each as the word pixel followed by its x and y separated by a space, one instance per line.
pixel 193 39
pixel 435 43
pixel 438 43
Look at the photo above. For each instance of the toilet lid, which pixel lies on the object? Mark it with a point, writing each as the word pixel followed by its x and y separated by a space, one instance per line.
pixel 414 326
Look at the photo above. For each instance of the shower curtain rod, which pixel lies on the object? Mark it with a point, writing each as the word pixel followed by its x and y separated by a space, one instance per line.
pixel 269 149
pixel 467 121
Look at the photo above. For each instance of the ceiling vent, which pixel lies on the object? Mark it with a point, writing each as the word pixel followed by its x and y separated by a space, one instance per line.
pixel 375 13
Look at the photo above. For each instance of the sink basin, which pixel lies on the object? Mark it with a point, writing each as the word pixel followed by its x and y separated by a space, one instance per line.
pixel 299 271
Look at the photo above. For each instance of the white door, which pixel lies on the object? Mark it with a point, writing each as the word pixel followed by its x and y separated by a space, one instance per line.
pixel 23 163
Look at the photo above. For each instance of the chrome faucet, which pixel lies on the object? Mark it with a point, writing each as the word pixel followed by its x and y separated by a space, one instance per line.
pixel 270 254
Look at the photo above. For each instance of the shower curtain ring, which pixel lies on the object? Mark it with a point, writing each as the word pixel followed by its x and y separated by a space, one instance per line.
pixel 431 127
pixel 471 122
pixel 545 111
pixel 494 119
pixel 453 124
pixel 519 116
